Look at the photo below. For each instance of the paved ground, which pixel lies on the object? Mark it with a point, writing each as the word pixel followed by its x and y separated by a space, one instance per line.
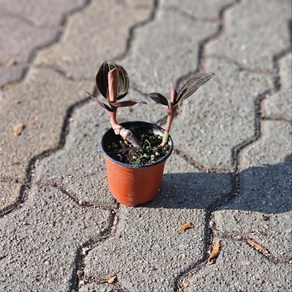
pixel 230 174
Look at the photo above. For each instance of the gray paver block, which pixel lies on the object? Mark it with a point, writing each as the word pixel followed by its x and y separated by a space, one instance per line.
pixel 206 10
pixel 39 13
pixel 241 268
pixel 265 189
pixel 42 238
pixel 25 27
pixel 40 104
pixel 147 237
pixel 159 56
pixel 220 115
pixel 107 23
pixel 279 104
pixel 254 33
pixel 80 167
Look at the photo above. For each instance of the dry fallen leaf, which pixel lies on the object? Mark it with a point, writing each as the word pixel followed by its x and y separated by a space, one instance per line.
pixel 10 63
pixel 110 278
pixel 186 226
pixel 31 125
pixel 257 246
pixel 215 251
pixel 8 85
pixel 17 129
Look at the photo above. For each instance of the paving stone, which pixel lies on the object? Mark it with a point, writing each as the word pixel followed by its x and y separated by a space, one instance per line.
pixel 81 51
pixel 264 207
pixel 40 13
pixel 206 10
pixel 39 104
pixel 42 238
pixel 79 167
pixel 158 57
pixel 99 288
pixel 252 39
pixel 241 268
pixel 279 105
pixel 25 27
pixel 220 115
pixel 147 237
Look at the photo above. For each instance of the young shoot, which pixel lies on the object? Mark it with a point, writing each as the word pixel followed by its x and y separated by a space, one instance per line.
pixel 113 83
pixel 177 97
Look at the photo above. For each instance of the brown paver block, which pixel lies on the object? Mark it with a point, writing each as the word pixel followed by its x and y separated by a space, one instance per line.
pixel 81 51
pixel 39 104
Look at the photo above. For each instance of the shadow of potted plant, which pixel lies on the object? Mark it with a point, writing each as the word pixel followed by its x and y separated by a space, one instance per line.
pixel 136 152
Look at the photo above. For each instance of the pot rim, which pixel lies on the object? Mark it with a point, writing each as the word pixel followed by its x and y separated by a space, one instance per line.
pixel 153 126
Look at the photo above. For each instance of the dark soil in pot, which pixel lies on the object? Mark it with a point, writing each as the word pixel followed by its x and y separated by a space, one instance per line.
pixel 124 152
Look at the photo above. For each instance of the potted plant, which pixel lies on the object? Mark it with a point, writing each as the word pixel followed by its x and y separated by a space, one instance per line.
pixel 136 152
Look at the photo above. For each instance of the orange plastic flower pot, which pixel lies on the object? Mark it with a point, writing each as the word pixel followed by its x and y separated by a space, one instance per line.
pixel 132 185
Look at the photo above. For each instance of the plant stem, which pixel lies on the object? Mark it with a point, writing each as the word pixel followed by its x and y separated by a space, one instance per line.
pixel 113 77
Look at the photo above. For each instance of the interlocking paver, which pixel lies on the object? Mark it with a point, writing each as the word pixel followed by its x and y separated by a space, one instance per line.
pixel 79 167
pixel 166 55
pixel 26 26
pixel 279 104
pixel 147 237
pixel 81 51
pixel 240 268
pixel 254 33
pixel 40 104
pixel 41 240
pixel 220 115
pixel 266 186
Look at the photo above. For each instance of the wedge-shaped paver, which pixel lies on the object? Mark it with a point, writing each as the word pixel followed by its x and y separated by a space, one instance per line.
pixel 254 33
pixel 108 23
pixel 42 238
pixel 220 115
pixel 26 26
pixel 165 50
pixel 39 104
pixel 241 268
pixel 263 209
pixel 147 252
pixel 279 105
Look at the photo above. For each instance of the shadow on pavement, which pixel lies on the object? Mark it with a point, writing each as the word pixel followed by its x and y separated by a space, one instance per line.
pixel 266 189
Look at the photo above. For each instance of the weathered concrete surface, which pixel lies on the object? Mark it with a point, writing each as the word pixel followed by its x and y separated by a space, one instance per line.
pixel 279 104
pixel 230 173
pixel 26 27
pixel 41 239
pixel 40 105
pixel 240 268
pixel 99 33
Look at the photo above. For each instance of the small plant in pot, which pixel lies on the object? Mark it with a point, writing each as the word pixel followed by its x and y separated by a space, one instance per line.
pixel 136 152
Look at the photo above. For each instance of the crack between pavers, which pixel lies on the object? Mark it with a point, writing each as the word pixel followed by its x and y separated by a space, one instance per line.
pixel 131 30
pixel 235 192
pixel 251 243
pixel 30 169
pixel 185 14
pixel 58 36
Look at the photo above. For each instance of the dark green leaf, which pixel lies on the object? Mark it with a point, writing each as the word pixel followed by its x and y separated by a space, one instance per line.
pixel 192 85
pixel 159 98
pixel 102 79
